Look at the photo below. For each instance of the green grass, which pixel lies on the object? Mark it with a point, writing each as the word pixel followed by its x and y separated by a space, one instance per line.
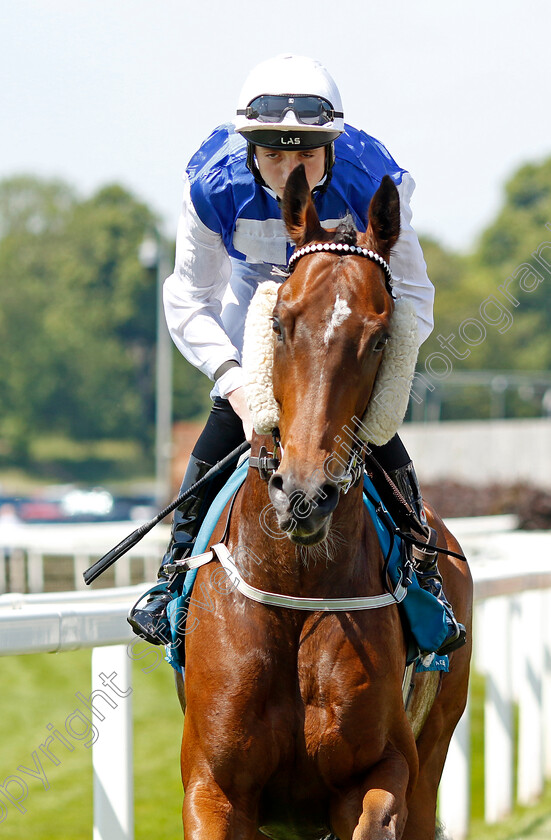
pixel 40 689
pixel 55 459
pixel 476 703
pixel 521 825
pixel 523 822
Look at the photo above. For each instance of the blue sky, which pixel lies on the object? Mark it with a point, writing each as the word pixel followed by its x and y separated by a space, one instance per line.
pixel 97 91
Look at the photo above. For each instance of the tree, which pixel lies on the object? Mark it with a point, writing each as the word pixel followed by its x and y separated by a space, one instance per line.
pixel 78 318
pixel 78 311
pixel 496 301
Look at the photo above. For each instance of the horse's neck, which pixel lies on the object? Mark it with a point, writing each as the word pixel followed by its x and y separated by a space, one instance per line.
pixel 272 561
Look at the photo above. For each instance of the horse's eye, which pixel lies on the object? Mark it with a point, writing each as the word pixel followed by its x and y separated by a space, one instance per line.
pixel 276 326
pixel 381 343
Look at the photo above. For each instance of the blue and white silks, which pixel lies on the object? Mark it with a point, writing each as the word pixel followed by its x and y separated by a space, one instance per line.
pixel 248 216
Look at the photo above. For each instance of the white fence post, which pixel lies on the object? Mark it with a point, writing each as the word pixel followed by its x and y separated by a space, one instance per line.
pixel 122 571
pixel 547 682
pixel 112 751
pixel 454 798
pixel 498 711
pixel 3 577
pixel 80 564
pixel 17 570
pixel 35 571
pixel 530 748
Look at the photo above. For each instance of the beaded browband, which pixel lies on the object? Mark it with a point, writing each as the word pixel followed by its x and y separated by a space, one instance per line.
pixel 339 248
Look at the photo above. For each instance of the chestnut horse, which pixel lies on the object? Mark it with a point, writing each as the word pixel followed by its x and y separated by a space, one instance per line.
pixel 295 726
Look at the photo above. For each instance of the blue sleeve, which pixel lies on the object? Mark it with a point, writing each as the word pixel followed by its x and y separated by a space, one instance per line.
pixel 367 154
pixel 212 213
pixel 212 171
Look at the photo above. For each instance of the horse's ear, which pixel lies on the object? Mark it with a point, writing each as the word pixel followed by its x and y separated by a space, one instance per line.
pixel 384 217
pixel 299 214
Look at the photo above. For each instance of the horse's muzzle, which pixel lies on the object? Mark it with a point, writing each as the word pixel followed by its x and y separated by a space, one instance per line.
pixel 303 512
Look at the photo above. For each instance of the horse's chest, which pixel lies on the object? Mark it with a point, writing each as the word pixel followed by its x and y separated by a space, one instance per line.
pixel 351 693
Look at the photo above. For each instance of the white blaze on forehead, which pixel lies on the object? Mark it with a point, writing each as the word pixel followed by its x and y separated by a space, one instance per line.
pixel 340 313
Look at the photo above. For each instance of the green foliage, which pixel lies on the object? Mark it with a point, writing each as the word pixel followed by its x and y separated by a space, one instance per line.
pixel 493 306
pixel 31 206
pixel 191 397
pixel 77 318
pixel 78 313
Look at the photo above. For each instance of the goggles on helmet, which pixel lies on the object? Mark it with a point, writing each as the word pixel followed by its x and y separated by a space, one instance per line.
pixel 309 110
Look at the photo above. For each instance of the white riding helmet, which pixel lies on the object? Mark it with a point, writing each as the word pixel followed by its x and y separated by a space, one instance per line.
pixel 289 102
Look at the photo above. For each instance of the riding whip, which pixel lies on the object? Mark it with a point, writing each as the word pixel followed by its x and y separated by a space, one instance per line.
pixel 132 539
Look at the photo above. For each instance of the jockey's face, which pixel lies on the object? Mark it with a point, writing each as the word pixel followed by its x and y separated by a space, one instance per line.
pixel 275 166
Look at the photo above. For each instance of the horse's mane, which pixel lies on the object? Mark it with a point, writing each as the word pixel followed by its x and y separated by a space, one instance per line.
pixel 345 232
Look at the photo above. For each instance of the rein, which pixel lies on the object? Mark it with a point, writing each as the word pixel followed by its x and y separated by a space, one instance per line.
pixel 267 463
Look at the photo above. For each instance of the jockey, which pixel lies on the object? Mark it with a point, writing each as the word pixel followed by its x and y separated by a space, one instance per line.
pixel 230 238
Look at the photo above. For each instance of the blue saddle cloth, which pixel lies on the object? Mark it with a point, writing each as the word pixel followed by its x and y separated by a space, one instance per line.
pixel 424 614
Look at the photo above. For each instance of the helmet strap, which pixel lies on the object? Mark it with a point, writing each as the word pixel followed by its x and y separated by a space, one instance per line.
pixel 252 167
pixel 329 162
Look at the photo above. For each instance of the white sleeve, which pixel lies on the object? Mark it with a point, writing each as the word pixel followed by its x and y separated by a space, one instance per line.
pixel 408 266
pixel 193 293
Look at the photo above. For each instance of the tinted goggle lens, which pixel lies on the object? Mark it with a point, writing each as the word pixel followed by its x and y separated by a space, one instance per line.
pixel 309 110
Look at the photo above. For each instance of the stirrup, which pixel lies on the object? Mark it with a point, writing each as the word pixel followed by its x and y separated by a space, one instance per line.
pixel 425 560
pixel 457 634
pixel 430 579
pixel 151 621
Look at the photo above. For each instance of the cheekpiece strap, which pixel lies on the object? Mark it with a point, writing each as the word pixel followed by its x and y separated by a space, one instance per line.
pixel 266 463
pixel 338 248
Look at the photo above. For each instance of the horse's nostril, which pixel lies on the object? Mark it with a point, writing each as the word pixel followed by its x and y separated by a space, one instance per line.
pixel 301 503
pixel 328 497
pixel 277 493
pixel 276 482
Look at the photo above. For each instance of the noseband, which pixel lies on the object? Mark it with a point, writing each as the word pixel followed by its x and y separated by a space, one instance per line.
pixel 268 463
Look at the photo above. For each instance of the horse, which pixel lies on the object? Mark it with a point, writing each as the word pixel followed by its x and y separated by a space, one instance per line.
pixel 295 722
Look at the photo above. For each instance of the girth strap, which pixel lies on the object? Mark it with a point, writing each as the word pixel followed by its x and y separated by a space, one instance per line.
pixel 221 553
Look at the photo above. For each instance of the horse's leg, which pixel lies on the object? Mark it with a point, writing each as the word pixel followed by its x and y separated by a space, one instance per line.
pixel 421 822
pixel 209 815
pixel 382 811
pixel 433 743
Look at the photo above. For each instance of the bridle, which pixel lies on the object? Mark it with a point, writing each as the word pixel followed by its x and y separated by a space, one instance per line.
pixel 267 462
pixel 341 249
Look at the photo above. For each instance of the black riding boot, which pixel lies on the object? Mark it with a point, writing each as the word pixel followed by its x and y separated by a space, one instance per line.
pixel 150 620
pixel 426 559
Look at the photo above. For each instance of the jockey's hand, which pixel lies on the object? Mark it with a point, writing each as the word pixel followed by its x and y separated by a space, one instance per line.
pixel 239 405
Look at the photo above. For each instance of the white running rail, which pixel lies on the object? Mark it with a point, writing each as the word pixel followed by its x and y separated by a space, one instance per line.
pixel 512 649
pixel 25 549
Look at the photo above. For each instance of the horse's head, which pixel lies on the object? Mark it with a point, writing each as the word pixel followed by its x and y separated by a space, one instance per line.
pixel 331 323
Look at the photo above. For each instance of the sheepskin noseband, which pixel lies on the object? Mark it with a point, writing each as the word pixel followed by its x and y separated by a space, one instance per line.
pixel 390 395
